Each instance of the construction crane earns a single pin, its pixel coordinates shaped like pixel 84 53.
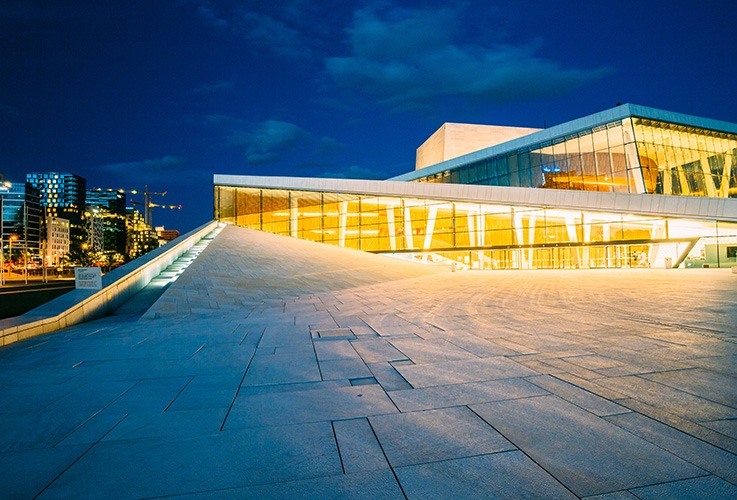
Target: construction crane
pixel 149 205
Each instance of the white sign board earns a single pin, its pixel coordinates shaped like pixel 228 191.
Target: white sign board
pixel 89 278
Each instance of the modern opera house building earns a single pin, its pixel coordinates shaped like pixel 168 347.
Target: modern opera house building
pixel 628 187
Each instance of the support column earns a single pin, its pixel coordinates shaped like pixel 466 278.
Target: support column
pixel 586 226
pixel 572 235
pixel 518 255
pixel 343 222
pixel 530 240
pixel 730 163
pixel 480 236
pixel 656 232
pixel 471 222
pixel 606 235
pixel 293 216
pixel 685 186
pixel 711 189
pixel 431 215
pixel 408 239
pixel 391 227
pixel 634 162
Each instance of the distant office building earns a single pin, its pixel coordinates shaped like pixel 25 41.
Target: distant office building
pixel 57 234
pixel 21 217
pixel 166 235
pixel 63 195
pixel 95 230
pixel 627 187
pixel 108 207
pixel 141 238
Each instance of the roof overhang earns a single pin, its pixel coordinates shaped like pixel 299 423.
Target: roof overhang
pixel 572 127
pixel 688 207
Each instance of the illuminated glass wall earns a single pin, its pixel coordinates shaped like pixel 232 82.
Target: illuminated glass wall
pixel 486 236
pixel 632 155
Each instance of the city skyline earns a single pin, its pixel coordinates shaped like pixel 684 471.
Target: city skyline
pixel 169 93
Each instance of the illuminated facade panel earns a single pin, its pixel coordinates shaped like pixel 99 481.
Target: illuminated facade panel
pixel 480 234
pixel 627 187
pixel 630 149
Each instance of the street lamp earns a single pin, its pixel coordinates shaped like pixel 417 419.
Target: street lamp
pixel 4 188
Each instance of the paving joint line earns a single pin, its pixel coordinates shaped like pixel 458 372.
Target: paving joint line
pixel 523 452
pixel 238 390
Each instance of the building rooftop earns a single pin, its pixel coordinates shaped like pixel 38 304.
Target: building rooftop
pixel 574 126
pixel 283 368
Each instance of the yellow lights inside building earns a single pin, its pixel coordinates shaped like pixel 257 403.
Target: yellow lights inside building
pixel 480 235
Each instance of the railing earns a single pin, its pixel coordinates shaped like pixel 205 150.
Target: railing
pixel 78 306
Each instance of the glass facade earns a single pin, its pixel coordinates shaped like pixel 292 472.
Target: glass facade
pixel 21 216
pixel 478 235
pixel 63 195
pixel 630 155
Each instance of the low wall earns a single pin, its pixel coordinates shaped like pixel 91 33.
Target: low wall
pixel 78 306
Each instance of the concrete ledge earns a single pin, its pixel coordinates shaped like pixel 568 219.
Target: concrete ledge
pixel 78 306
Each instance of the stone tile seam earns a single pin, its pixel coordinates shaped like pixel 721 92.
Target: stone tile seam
pixel 391 467
pixel 583 389
pixel 179 393
pixel 672 426
pixel 337 446
pixel 639 376
pixel 654 443
pixel 80 456
pixel 238 389
pixel 523 452
pixel 94 414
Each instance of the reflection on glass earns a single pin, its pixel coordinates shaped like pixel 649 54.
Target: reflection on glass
pixel 484 236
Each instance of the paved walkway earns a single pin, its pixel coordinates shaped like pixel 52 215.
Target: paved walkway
pixel 275 367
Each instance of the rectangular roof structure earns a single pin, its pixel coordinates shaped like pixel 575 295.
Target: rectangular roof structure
pixel 571 127
pixel 701 208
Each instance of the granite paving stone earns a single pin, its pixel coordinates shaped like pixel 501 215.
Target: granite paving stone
pixel 376 350
pixel 388 376
pixel 430 351
pixel 458 372
pixel 709 487
pixel 700 453
pixel 323 404
pixel 167 466
pixel 579 397
pixel 344 368
pixel 675 401
pixel 463 394
pixel 377 484
pixel 433 435
pixel 535 384
pixel 584 452
pixel 360 451
pixel 708 384
pixel 500 475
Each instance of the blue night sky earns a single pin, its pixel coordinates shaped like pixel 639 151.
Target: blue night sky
pixel 168 92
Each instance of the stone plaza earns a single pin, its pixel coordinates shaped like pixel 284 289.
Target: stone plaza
pixel 280 368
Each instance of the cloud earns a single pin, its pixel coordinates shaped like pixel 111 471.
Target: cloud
pixel 410 58
pixel 212 87
pixel 327 145
pixel 165 169
pixel 265 32
pixel 271 140
pixel 266 142
pixel 280 33
pixel 208 15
